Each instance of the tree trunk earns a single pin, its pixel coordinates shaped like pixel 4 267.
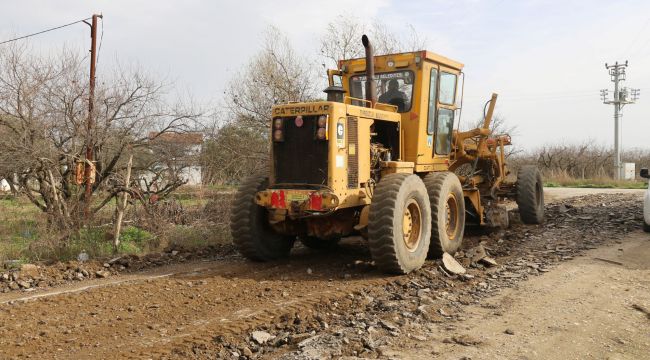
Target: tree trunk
pixel 121 205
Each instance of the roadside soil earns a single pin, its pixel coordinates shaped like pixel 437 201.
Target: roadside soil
pixel 334 304
pixel 555 194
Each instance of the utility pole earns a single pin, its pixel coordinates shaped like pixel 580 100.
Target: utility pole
pixel 89 165
pixel 621 98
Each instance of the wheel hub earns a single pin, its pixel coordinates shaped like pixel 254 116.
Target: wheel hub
pixel 451 211
pixel 412 225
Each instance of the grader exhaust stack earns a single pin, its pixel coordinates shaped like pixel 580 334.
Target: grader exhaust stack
pixel 371 86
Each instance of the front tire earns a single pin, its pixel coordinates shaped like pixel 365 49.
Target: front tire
pixel 399 224
pixel 447 213
pixel 530 195
pixel 646 226
pixel 249 226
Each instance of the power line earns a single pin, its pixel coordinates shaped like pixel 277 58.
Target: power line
pixel 44 31
pixel 637 37
pixel 621 98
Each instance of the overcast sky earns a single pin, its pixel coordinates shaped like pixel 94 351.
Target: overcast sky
pixel 545 58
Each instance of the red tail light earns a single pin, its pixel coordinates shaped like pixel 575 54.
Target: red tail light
pixel 277 200
pixel 315 201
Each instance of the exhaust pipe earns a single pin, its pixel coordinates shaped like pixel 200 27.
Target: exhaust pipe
pixel 371 86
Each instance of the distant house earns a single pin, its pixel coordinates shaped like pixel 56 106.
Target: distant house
pixel 4 186
pixel 180 156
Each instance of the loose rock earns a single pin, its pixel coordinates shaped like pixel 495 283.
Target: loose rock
pixel 261 337
pixel 29 270
pixel 102 274
pixel 452 265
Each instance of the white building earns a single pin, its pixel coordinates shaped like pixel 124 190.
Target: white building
pixel 4 186
pixel 183 150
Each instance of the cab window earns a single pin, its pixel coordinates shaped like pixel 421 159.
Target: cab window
pixel 394 88
pixel 447 88
pixel 433 92
pixel 445 125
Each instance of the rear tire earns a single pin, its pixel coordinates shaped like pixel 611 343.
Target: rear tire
pixel 447 213
pixel 530 195
pixel 249 226
pixel 399 224
pixel 646 226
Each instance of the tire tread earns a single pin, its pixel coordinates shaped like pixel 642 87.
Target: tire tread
pixel 380 228
pixel 529 211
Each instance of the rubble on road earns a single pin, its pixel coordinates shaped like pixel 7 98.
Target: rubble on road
pixel 365 322
pixel 261 337
pixel 451 265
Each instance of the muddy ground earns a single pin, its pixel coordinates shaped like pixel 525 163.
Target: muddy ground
pixel 574 287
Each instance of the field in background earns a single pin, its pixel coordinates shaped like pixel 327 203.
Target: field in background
pixel 192 217
pixel 603 182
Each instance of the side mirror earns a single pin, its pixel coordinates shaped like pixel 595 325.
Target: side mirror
pixel 644 173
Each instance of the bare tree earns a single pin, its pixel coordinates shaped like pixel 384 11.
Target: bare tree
pixel 276 75
pixel 586 160
pixel 234 152
pixel 43 113
pixel 342 39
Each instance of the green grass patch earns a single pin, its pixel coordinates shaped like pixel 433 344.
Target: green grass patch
pixel 98 243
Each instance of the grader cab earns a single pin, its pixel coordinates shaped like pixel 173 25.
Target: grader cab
pixel 381 159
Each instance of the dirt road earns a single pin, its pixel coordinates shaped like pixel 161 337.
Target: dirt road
pixel 319 305
pixel 588 308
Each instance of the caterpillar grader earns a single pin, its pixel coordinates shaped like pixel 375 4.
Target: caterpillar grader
pixel 381 159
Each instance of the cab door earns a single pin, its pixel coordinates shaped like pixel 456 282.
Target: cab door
pixel 432 104
pixel 444 116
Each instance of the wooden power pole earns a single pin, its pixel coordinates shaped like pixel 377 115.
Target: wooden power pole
pixel 90 144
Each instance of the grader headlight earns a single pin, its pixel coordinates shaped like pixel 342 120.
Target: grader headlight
pixel 321 132
pixel 278 135
pixel 278 130
pixel 322 121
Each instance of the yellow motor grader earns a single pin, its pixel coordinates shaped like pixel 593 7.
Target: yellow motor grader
pixel 381 159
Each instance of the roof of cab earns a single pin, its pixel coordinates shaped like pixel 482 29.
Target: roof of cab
pixel 443 60
pixel 428 55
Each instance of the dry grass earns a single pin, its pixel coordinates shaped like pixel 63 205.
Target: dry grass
pixel 190 219
pixel 562 179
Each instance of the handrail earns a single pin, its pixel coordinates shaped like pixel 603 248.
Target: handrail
pixel 355 99
pixel 395 108
pixel 349 99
